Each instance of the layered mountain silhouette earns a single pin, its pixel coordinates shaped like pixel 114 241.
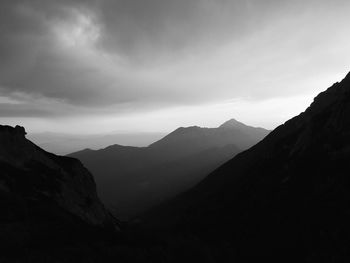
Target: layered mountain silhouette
pixel 132 179
pixel 44 197
pixel 286 199
pixel 65 143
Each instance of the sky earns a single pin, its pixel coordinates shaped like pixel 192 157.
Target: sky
pixel 102 66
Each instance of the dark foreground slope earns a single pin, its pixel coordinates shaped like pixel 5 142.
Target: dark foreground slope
pixel 132 179
pixel 45 200
pixel 50 212
pixel 286 199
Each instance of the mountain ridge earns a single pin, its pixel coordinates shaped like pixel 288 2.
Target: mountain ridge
pixel 152 171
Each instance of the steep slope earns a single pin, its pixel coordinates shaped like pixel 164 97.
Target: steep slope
pixel 44 196
pixel 132 179
pixel 286 198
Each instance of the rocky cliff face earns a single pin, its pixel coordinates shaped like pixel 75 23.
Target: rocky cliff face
pixel 40 191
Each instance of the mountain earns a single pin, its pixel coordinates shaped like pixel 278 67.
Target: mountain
pixel 246 130
pixel 45 198
pixel 65 143
pixel 132 179
pixel 286 199
pixel 194 139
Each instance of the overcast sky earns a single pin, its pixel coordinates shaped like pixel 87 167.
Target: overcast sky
pixel 98 66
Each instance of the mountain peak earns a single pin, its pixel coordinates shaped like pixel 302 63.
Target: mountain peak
pixel 232 123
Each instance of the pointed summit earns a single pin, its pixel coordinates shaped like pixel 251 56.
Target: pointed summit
pixel 232 123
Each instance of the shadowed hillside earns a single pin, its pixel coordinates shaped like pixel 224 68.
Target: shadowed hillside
pixel 45 199
pixel 285 199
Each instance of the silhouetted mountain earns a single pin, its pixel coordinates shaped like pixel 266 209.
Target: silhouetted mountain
pixel 246 130
pixel 285 199
pixel 65 143
pixel 44 198
pixel 131 179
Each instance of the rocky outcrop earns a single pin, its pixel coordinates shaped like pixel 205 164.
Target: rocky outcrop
pixel 38 188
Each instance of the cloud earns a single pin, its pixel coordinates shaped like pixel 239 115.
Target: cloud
pixel 71 57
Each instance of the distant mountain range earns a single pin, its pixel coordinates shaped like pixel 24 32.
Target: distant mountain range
pixel 286 199
pixel 65 143
pixel 132 179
